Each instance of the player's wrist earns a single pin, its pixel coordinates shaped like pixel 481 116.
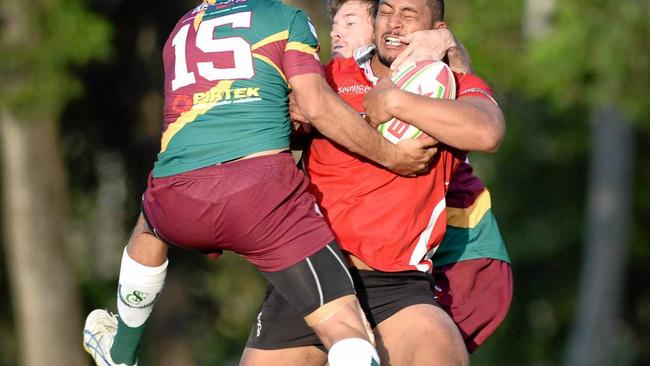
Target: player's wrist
pixel 393 101
pixel 392 155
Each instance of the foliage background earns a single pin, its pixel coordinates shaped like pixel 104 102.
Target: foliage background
pixel 97 71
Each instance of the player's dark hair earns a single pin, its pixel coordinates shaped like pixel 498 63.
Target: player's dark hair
pixel 437 9
pixel 334 5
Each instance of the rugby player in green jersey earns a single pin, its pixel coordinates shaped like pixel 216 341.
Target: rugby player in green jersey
pixel 472 263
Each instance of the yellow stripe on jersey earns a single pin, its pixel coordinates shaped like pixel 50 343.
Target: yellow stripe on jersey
pixel 197 20
pixel 268 61
pixel 199 17
pixel 301 47
pixel 192 114
pixel 469 217
pixel 280 36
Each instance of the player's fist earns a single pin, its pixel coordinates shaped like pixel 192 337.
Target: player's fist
pixel 377 102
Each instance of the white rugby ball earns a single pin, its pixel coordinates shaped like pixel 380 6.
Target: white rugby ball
pixel 433 79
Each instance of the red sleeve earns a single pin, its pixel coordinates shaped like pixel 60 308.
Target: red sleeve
pixel 299 62
pixel 301 50
pixel 471 85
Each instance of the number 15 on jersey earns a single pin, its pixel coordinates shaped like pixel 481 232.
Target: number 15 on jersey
pixel 205 49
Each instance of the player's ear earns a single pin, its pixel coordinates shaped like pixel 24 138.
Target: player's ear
pixel 440 25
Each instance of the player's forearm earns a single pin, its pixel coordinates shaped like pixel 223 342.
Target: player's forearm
pixel 459 59
pixel 343 125
pixel 471 123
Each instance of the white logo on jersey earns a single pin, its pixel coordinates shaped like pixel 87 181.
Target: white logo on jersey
pixel 200 8
pixel 354 89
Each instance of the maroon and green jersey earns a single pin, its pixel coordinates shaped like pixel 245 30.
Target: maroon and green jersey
pixel 227 66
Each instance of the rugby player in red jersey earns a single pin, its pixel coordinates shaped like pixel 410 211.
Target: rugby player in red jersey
pixel 486 260
pixel 471 267
pixel 224 179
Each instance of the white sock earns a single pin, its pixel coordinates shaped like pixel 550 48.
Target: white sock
pixel 138 289
pixel 352 352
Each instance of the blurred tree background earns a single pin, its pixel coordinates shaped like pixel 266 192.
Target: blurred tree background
pixel 80 119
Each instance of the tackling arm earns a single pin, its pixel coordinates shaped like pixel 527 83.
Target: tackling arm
pixel 469 123
pixel 339 122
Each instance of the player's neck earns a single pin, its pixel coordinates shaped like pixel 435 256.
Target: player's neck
pixel 379 69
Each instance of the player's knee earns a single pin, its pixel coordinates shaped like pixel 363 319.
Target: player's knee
pixel 340 319
pixel 145 247
pixel 352 352
pixel 329 310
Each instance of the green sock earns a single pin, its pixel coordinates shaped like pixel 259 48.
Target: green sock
pixel 126 343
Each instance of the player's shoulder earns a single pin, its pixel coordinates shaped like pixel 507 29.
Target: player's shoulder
pixel 472 85
pixel 463 79
pixel 199 10
pixel 273 10
pixel 286 12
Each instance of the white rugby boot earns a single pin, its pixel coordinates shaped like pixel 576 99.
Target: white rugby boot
pixel 99 331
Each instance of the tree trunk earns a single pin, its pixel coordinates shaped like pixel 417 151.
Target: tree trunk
pixel 605 250
pixel 44 296
pixel 537 18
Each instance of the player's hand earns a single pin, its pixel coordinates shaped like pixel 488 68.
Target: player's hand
pixel 415 156
pixel 377 103
pixel 299 123
pixel 434 44
pixel 423 45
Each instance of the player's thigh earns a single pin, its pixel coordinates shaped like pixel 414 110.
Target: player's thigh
pixel 420 334
pixel 278 327
pixel 296 356
pixel 314 281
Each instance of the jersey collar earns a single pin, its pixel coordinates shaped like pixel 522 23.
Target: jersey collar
pixel 362 56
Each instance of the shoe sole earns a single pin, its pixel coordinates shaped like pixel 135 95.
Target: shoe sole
pixel 91 345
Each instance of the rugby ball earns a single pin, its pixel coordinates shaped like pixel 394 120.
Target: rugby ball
pixel 433 79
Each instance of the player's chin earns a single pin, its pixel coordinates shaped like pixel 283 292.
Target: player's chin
pixel 387 56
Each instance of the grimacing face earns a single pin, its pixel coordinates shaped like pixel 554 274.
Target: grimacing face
pixel 351 28
pixel 397 18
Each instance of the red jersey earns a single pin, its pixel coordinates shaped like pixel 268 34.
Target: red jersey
pixel 390 222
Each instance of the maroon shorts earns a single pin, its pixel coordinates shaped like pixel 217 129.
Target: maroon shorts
pixel 257 207
pixel 477 294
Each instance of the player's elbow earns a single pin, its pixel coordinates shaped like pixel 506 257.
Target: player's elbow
pixel 313 109
pixel 494 133
pixel 311 96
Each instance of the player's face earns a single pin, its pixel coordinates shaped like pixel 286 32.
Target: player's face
pixel 351 28
pixel 398 18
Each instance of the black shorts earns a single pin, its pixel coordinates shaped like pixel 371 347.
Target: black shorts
pixel 314 281
pixel 381 294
